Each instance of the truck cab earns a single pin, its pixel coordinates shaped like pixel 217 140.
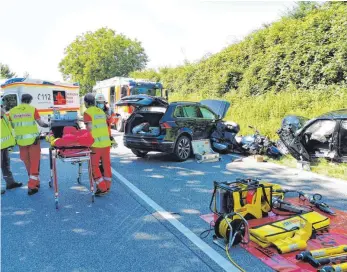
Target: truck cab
pixel 116 88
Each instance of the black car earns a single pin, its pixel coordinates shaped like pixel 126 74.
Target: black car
pixel 321 137
pixel 156 125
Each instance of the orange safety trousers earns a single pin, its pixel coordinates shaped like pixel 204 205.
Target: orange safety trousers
pixel 103 154
pixel 30 155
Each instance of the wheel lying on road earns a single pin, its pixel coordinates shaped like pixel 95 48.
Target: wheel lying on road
pixel 139 153
pixel 183 148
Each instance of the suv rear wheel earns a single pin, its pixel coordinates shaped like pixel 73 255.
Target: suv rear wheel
pixel 139 153
pixel 183 148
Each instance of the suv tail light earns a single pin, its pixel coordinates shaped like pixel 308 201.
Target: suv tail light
pixel 165 125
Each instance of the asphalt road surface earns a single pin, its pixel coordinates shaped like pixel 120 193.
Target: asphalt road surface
pixel 149 222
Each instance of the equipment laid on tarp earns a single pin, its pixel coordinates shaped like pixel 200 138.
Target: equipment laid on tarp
pixel 324 256
pixel 293 231
pixel 249 197
pixel 237 205
pixel 203 151
pixel 335 268
pixel 69 144
pixel 315 200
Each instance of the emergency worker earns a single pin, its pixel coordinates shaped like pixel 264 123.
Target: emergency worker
pixel 101 103
pixel 7 141
pixel 96 122
pixel 24 118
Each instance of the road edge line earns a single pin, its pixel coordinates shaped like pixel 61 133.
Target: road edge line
pixel 204 247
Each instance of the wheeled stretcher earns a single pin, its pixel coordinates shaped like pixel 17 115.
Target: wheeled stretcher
pixel 73 153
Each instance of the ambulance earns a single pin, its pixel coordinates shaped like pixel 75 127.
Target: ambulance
pixel 46 96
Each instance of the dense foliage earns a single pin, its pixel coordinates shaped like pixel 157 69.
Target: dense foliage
pixel 295 65
pixel 100 55
pixel 5 71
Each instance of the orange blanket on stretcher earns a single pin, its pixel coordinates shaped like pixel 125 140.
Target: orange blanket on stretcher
pixel 72 138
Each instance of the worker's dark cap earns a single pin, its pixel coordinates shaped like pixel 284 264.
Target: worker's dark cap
pixel 27 98
pixel 89 98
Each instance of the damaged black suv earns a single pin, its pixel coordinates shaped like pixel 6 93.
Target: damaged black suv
pixel 321 137
pixel 156 125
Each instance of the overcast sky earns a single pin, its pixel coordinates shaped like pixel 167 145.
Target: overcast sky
pixel 34 33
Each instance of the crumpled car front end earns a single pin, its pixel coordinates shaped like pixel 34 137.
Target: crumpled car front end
pixel 290 128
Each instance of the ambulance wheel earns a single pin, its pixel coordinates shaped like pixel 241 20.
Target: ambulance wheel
pixel 139 153
pixel 120 125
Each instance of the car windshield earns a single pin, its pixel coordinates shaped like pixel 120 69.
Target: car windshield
pixel 144 90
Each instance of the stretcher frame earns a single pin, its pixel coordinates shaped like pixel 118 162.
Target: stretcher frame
pixel 80 158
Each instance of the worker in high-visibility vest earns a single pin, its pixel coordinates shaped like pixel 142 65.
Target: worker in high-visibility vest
pixel 7 141
pixel 24 118
pixel 100 102
pixel 96 122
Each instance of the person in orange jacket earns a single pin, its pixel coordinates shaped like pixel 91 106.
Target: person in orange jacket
pixel 24 119
pixel 96 122
pixel 100 102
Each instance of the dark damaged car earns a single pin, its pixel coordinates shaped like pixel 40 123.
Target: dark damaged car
pixel 156 125
pixel 321 137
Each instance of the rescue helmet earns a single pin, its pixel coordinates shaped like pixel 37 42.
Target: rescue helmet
pixel 100 98
pixel 89 99
pixel 26 98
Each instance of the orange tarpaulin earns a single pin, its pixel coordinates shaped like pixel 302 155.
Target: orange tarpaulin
pixel 337 235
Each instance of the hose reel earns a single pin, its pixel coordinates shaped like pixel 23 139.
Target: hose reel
pixel 233 228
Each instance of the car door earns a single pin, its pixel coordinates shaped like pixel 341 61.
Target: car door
pixel 208 121
pixel 293 142
pixel 187 120
pixel 343 139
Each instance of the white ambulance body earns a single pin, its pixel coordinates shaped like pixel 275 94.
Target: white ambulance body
pixel 46 95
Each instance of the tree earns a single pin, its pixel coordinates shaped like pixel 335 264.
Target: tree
pixel 302 9
pixel 26 74
pixel 5 71
pixel 95 56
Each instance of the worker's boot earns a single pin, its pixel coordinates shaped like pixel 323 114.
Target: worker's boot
pixel 13 185
pixel 108 183
pixel 33 186
pixel 101 188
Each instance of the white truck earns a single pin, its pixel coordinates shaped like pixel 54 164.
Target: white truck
pixel 46 95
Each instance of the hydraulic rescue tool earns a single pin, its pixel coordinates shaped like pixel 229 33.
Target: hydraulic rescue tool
pixel 324 256
pixel 279 204
pixel 315 199
pixel 334 268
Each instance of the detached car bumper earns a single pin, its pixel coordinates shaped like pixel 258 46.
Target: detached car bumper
pixel 148 144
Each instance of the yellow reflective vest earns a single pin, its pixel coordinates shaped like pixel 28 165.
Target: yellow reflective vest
pixel 24 124
pixel 6 136
pixel 99 127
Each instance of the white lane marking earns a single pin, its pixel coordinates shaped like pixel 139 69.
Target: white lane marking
pixel 214 255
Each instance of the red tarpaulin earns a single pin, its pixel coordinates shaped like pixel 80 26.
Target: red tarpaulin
pixel 337 235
